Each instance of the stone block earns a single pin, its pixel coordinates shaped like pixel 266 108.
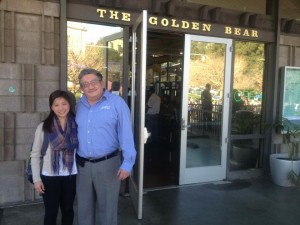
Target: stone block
pixel 10 87
pixel 10 104
pixel 51 9
pixel 9 152
pixel 1 153
pixel 22 6
pixel 49 56
pixel 28 104
pixel 1 136
pixel 28 23
pixel 56 42
pixel 44 89
pixel 11 181
pixel 56 26
pixel 2 120
pixel 28 55
pixel 9 120
pixel 8 20
pixel 28 88
pixel 47 73
pixel 23 151
pixel 42 104
pixel 8 37
pixel 10 71
pixel 28 72
pixel 49 40
pixel 24 135
pixel 29 191
pixel 44 114
pixel 48 24
pixel 9 136
pixel 57 57
pixel 27 120
pixel 9 54
pixel 28 39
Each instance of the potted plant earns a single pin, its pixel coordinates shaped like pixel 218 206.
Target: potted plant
pixel 244 153
pixel 285 167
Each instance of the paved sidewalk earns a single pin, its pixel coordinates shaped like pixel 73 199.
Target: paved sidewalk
pixel 241 202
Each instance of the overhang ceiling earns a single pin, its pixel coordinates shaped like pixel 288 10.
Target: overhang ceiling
pixel 290 9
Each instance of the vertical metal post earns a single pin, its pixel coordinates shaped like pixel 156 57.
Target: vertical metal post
pixel 63 45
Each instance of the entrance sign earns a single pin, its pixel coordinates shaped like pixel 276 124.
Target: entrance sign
pixel 180 25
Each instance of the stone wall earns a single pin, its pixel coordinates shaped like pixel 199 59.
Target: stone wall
pixel 29 72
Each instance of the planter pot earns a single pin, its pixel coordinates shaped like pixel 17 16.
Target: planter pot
pixel 280 167
pixel 245 156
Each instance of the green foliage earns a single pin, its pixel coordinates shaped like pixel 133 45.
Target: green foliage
pixel 289 132
pixel 194 96
pixel 254 53
pixel 91 57
pixel 237 102
pixel 114 55
pixel 294 178
pixel 199 49
pixel 244 122
pixel 252 49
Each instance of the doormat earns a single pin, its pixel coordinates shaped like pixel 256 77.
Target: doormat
pixel 229 186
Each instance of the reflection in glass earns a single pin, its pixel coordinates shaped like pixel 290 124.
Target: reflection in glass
pixel 206 80
pixel 87 48
pixel 246 105
pixel 115 65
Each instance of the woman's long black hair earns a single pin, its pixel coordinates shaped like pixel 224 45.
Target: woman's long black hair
pixel 48 122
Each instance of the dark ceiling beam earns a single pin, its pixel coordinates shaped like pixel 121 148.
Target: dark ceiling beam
pixel 215 14
pixel 245 19
pixel 205 13
pixel 157 5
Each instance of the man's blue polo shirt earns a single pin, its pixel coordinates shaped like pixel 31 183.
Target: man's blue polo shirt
pixel 104 127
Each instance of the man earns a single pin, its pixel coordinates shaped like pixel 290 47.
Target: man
pixel 207 106
pixel 103 126
pixel 152 115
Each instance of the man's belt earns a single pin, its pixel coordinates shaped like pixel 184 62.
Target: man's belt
pixel 113 154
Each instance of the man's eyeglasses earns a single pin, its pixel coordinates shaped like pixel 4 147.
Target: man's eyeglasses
pixel 87 84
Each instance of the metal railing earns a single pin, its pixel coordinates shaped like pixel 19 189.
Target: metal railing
pixel 198 121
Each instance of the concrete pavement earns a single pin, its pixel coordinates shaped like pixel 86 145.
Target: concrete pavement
pixel 239 202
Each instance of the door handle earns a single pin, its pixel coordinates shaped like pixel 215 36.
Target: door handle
pixel 146 135
pixel 183 124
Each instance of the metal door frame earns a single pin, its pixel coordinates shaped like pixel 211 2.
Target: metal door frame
pixel 136 189
pixel 211 173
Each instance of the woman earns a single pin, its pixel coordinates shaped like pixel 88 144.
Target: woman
pixel 56 180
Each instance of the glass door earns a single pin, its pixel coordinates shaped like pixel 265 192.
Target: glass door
pixel 205 109
pixel 138 95
pixel 113 59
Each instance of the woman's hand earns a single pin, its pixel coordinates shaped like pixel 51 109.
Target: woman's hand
pixel 39 187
